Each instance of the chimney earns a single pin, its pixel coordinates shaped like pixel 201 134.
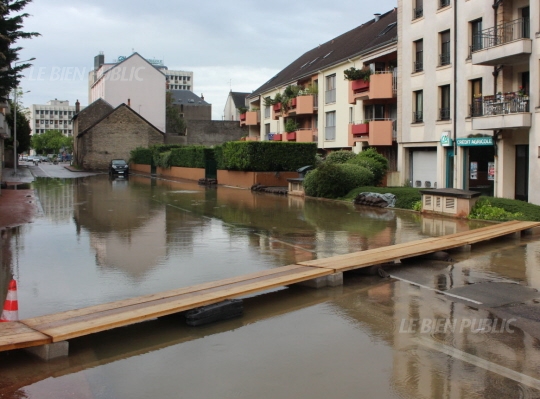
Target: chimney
pixel 202 97
pixel 377 16
pixel 129 102
pixel 77 106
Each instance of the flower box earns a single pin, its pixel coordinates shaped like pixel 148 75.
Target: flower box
pixel 360 85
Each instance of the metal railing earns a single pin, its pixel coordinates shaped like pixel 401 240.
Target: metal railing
pixel 444 3
pixel 418 12
pixel 418 66
pixel 502 34
pixel 444 114
pixel 444 59
pixel 499 105
pixel 418 116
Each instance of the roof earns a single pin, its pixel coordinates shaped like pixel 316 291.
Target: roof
pixel 186 97
pixel 124 60
pixel 368 36
pixel 90 107
pixel 123 105
pixel 239 98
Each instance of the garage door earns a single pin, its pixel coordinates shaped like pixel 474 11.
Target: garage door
pixel 424 169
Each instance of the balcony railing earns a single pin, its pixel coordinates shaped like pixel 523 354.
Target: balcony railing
pixel 418 66
pixel 501 34
pixel 418 12
pixel 444 114
pixel 418 117
pixel 444 59
pixel 509 103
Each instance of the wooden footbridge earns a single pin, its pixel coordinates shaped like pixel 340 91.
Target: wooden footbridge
pixel 76 323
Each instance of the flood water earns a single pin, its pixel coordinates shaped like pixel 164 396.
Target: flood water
pixel 98 240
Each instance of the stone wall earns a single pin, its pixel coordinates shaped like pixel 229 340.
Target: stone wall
pixel 115 137
pixel 208 133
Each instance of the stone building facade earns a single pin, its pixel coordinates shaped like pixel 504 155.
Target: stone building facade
pixel 113 136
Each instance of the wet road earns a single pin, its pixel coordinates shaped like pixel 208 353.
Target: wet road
pixel 99 240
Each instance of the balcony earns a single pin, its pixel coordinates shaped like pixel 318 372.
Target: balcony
pixel 508 111
pixel 250 118
pixel 375 133
pixel 277 137
pixel 380 86
pixel 302 105
pixel 507 44
pixel 276 111
pixel 302 136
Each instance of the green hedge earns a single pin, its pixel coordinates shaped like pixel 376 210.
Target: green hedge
pixel 340 156
pixel 141 156
pixel 336 180
pixel 188 157
pixel 265 156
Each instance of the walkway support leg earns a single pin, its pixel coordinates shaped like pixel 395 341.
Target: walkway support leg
pixel 50 351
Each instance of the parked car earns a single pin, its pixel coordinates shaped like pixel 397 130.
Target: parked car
pixel 118 167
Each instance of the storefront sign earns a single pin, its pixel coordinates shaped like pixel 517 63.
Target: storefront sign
pixel 446 141
pixel 474 141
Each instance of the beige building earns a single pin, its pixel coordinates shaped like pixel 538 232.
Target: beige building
pixel 467 111
pixel 334 112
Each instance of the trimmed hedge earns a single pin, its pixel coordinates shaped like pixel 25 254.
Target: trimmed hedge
pixel 265 156
pixel 141 156
pixel 189 156
pixel 340 156
pixel 335 180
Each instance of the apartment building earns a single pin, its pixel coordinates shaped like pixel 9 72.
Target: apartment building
pixel 55 115
pixel 468 95
pixel 328 109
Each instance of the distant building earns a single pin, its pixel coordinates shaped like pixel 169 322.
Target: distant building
pixel 56 114
pixel 133 81
pixel 104 133
pixel 234 101
pixel 191 106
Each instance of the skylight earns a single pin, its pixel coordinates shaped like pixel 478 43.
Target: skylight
pixel 385 30
pixel 328 54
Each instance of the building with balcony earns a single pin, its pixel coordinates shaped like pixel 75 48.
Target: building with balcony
pixel 322 106
pixel 55 115
pixel 477 66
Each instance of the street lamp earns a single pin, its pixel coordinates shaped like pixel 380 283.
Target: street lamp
pixel 15 123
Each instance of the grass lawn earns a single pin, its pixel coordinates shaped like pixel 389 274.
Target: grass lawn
pixel 406 197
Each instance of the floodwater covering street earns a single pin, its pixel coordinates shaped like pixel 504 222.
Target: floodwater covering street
pixel 452 334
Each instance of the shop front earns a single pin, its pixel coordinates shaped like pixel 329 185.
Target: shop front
pixel 479 164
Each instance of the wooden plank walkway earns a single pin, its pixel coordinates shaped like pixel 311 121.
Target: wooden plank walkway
pixel 75 323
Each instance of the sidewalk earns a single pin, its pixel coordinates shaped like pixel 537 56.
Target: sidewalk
pixel 17 206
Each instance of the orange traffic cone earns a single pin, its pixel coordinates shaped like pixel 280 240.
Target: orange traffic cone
pixel 11 306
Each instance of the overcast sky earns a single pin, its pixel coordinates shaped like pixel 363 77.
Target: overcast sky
pixel 236 44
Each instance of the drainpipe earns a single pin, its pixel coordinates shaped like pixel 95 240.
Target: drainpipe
pixel 496 69
pixel 455 97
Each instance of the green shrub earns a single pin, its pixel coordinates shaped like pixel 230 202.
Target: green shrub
pixel 417 206
pixel 373 161
pixel 141 156
pixel 340 156
pixel 266 156
pixel 218 156
pixel 335 180
pixel 485 211
pixel 188 156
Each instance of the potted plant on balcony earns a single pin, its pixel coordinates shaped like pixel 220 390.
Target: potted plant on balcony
pixel 291 125
pixel 357 74
pixel 242 110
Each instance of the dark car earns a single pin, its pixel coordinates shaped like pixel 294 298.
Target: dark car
pixel 118 167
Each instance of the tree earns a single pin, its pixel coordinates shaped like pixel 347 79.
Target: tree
pixel 23 128
pixel 51 142
pixel 175 123
pixel 10 33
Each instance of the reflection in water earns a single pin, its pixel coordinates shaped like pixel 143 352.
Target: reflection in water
pixel 102 240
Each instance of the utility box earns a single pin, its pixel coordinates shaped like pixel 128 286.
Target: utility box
pixel 449 201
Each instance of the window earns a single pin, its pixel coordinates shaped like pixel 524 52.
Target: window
pixel 351 115
pixel 444 112
pixel 444 57
pixel 374 112
pixel 330 129
pixel 476 97
pixel 267 130
pixel 419 56
pixel 444 3
pixel 476 35
pixel 418 113
pixel 418 11
pixel 267 109
pixel 330 95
